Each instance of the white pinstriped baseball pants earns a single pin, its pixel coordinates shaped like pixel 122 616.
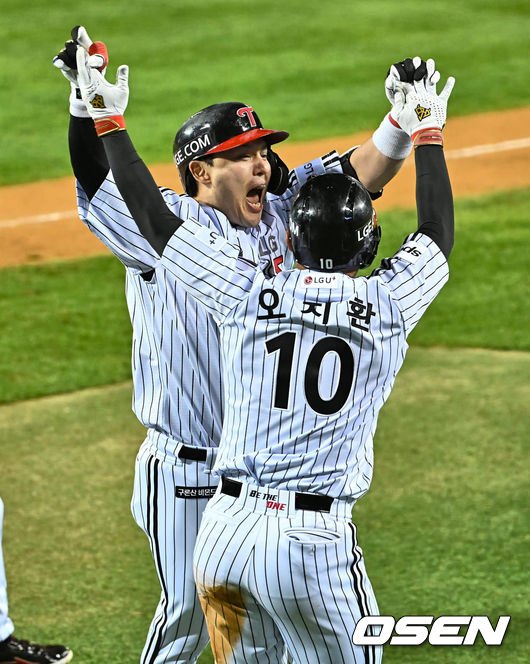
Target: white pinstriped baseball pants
pixel 267 572
pixel 178 633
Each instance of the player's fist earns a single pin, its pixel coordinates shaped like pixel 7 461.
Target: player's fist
pixel 102 99
pixel 408 71
pixel 418 107
pixel 66 62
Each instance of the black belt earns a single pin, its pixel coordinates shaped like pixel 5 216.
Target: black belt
pixel 302 501
pixel 192 453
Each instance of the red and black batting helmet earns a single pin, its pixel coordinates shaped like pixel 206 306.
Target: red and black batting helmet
pixel 221 127
pixel 333 225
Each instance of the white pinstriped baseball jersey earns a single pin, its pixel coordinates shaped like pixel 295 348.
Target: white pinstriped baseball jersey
pixel 175 354
pixel 309 357
pixel 178 394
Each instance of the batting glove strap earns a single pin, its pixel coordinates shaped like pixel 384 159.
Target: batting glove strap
pixel 109 125
pixel 428 137
pixel 391 140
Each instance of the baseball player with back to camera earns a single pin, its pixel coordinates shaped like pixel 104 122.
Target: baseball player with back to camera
pixel 176 356
pixel 309 358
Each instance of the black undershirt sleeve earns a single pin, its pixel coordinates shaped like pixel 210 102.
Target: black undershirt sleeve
pixel 87 155
pixel 154 219
pixel 434 198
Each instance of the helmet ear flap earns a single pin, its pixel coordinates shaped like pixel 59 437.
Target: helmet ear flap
pixel 368 253
pixel 279 174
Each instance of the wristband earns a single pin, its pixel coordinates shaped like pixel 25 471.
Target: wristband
pixel 391 140
pixel 109 125
pixel 431 136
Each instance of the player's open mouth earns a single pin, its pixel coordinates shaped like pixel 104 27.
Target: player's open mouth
pixel 255 197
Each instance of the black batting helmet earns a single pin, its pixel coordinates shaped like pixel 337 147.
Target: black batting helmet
pixel 221 127
pixel 333 224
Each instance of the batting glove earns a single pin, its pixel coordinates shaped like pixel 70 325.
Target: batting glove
pixel 389 138
pixel 104 101
pixel 65 61
pixel 420 111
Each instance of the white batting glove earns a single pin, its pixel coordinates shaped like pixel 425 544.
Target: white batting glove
pixel 104 101
pixel 389 138
pixel 65 61
pixel 420 111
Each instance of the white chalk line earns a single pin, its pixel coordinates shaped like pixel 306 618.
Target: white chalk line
pixel 489 148
pixel 38 219
pixel 463 153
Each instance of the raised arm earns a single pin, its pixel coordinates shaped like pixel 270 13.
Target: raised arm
pixel 378 160
pixel 421 112
pixel 106 104
pixel 155 220
pixel 87 155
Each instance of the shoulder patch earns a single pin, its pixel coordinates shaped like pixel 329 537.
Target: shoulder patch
pixel 210 238
pixel 411 251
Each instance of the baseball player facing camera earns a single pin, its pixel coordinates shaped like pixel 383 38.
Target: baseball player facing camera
pixel 309 358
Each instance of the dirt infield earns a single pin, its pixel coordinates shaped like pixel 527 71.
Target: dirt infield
pixel 487 152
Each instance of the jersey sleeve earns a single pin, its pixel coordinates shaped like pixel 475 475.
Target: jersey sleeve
pixel 413 276
pixel 211 269
pixel 108 218
pixel 329 163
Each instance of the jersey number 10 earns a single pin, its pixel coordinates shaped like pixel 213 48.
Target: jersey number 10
pixel 284 344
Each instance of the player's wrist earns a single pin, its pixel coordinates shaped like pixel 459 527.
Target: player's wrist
pixel 109 125
pixel 429 136
pixel 77 106
pixel 391 140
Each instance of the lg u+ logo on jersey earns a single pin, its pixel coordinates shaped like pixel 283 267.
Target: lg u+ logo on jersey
pixel 321 280
pixel 442 631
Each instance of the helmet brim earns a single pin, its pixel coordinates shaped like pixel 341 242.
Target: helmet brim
pixel 270 136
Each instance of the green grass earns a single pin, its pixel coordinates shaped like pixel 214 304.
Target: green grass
pixel 67 325
pixel 485 300
pixel 443 527
pixel 445 523
pixel 313 68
